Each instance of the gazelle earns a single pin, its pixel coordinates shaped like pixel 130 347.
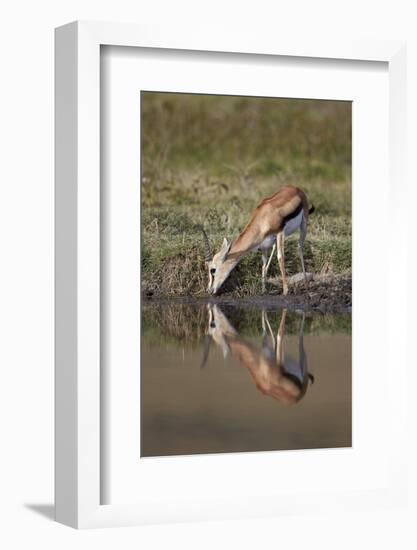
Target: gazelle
pixel 274 373
pixel 273 219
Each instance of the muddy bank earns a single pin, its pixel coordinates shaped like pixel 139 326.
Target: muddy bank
pixel 323 293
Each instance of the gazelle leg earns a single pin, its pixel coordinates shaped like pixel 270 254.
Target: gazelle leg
pixel 264 267
pixel 268 347
pixel 268 340
pixel 269 327
pixel 303 232
pixel 301 330
pixel 301 352
pixel 280 256
pixel 270 258
pixel 280 340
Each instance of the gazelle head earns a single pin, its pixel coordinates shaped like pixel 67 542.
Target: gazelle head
pixel 219 330
pixel 219 265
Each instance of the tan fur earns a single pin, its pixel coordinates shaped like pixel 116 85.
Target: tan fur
pixel 267 219
pixel 266 372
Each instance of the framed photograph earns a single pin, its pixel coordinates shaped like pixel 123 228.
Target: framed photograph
pixel 222 208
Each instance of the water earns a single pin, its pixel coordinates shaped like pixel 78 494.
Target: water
pixel 230 379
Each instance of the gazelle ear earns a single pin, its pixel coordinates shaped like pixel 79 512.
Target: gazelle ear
pixel 225 249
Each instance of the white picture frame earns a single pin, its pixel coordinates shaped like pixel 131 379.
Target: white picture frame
pixel 78 262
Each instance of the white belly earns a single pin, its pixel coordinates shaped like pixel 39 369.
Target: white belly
pixel 294 224
pixel 268 242
pixel 289 228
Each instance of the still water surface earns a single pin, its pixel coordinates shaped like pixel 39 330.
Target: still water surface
pixel 229 379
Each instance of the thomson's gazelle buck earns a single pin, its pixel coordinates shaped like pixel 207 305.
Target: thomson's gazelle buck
pixel 272 220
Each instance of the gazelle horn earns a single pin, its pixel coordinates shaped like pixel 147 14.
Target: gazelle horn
pixel 208 255
pixel 207 341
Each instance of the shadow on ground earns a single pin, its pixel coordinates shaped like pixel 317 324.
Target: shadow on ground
pixel 45 510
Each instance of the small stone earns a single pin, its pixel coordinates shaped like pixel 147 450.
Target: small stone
pixel 299 278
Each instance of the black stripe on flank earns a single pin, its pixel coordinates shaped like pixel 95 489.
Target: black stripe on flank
pixel 294 378
pixel 293 214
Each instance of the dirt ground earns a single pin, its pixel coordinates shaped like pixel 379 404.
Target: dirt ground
pixel 322 293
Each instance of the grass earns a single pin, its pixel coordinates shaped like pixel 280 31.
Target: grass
pixel 210 159
pixel 176 324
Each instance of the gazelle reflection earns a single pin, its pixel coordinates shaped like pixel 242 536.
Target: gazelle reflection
pixel 274 373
